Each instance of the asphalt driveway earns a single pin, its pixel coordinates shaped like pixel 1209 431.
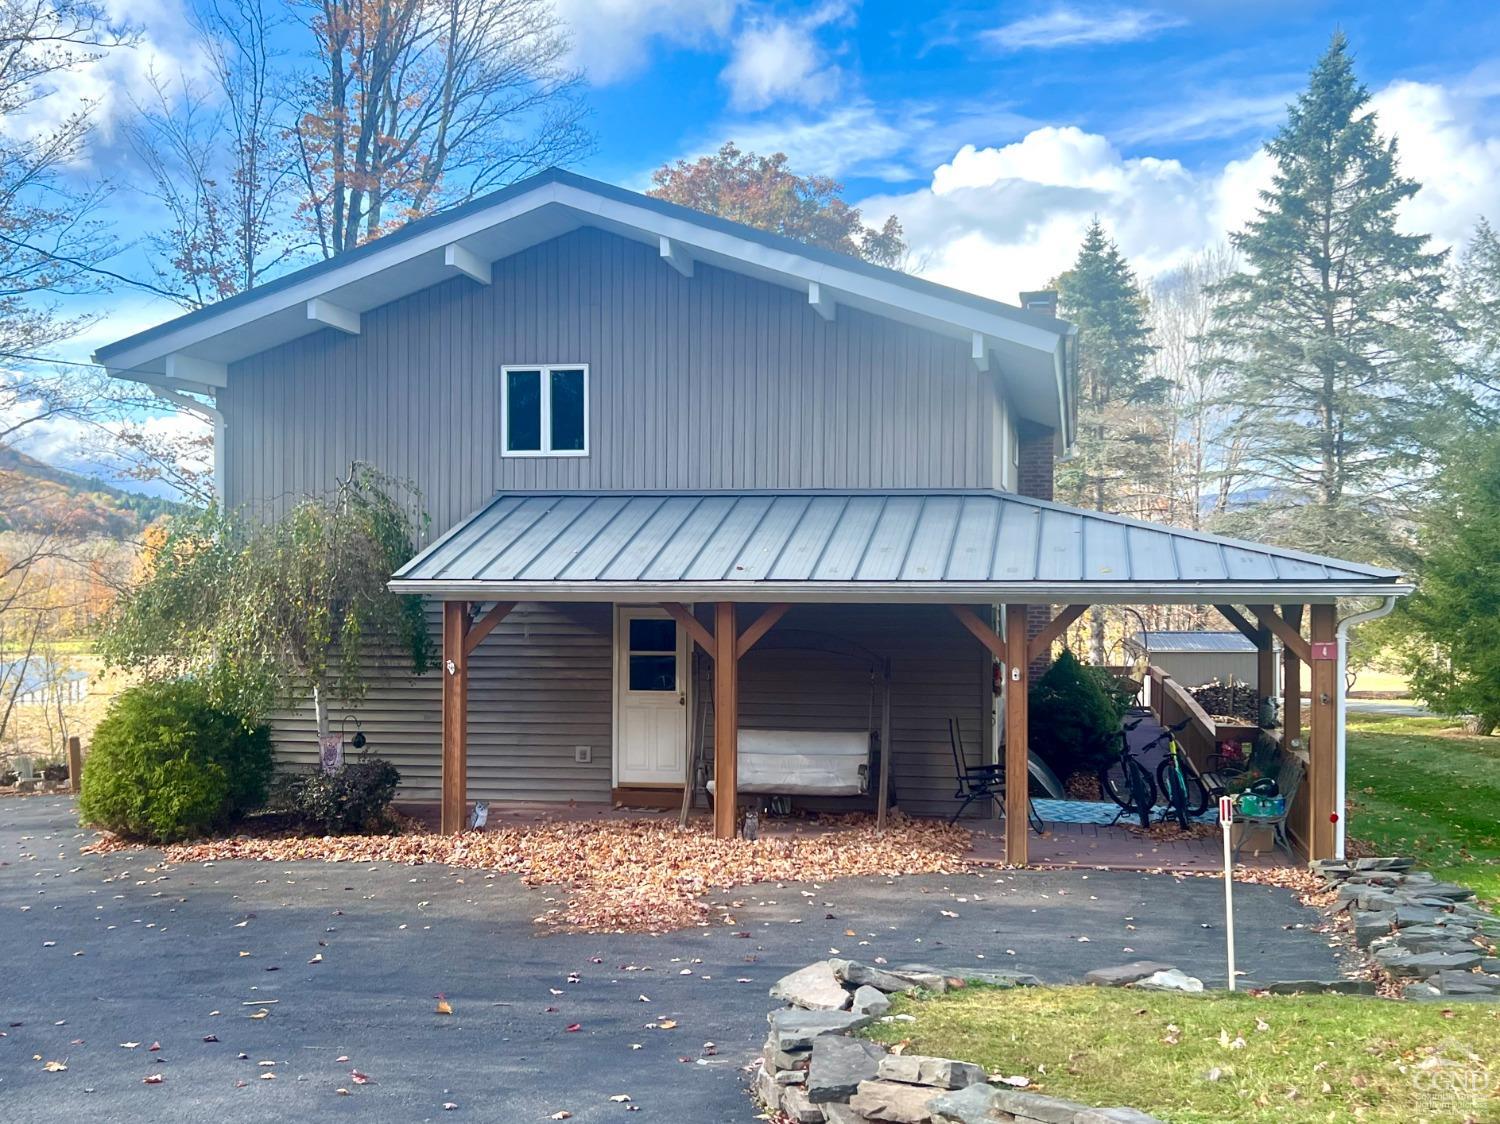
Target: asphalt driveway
pixel 100 951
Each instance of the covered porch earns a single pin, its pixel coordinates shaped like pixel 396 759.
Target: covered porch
pixel 1009 574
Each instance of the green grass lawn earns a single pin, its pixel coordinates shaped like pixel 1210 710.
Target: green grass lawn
pixel 1419 786
pixel 1204 1059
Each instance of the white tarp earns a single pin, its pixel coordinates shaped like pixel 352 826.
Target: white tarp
pixel 803 762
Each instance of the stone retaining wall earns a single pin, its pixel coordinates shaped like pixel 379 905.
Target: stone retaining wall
pixel 813 1070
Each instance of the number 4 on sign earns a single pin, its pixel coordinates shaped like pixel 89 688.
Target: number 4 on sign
pixel 1226 821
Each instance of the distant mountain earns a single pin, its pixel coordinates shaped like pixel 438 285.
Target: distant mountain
pixel 40 497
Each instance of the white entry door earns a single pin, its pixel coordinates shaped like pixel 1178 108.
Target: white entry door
pixel 651 689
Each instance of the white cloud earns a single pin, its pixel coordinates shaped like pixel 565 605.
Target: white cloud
pixel 612 39
pixel 999 219
pixel 1065 26
pixel 782 60
pixel 166 46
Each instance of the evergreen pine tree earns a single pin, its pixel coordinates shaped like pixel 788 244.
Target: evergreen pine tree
pixel 1333 332
pixel 1121 446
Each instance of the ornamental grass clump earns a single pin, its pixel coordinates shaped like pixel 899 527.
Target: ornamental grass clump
pixel 167 765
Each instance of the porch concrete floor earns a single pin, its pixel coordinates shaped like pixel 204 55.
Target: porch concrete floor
pixel 104 950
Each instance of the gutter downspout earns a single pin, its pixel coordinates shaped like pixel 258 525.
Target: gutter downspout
pixel 209 413
pixel 1340 743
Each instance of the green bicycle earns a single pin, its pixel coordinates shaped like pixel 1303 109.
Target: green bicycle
pixel 1186 794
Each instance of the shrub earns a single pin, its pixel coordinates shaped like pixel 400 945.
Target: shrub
pixel 166 765
pixel 1074 725
pixel 356 798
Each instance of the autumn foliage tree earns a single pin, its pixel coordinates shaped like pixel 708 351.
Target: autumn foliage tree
pixel 415 104
pixel 761 191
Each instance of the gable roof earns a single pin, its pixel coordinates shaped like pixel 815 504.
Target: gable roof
pixel 1188 641
pixel 853 545
pixel 1033 351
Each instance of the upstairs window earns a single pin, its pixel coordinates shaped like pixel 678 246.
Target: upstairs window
pixel 544 411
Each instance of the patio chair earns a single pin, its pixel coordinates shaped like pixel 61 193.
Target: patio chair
pixel 982 782
pixel 1288 781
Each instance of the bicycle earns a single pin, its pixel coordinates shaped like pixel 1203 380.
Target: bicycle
pixel 1186 795
pixel 1126 780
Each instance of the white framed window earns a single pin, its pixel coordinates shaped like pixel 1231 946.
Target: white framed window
pixel 544 410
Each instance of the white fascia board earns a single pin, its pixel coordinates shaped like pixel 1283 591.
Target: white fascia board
pixel 980 352
pixel 684 235
pixel 466 262
pixel 1025 593
pixel 676 255
pixel 821 300
pixel 155 380
pixel 188 368
pixel 333 316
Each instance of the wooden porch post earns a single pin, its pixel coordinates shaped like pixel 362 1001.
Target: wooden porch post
pixel 1322 754
pixel 1017 775
pixel 726 720
pixel 1265 668
pixel 455 715
pixel 1291 683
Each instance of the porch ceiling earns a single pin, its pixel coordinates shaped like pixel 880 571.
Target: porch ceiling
pixel 853 546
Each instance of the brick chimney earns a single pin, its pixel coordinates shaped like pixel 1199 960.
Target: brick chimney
pixel 1040 300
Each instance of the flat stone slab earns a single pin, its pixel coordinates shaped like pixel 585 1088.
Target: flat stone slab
pixel 814 988
pixel 859 974
pixel 1455 983
pixel 869 1000
pixel 1390 862
pixel 1420 965
pixel 1368 925
pixel 796 1104
pixel 1124 974
pixel 1313 987
pixel 1169 980
pixel 1407 915
pixel 795 1029
pixel 941 1073
pixel 839 1064
pixel 892 1101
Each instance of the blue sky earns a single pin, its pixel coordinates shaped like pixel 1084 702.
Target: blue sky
pixel 994 131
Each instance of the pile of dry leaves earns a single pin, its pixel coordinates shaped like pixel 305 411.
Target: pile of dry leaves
pixel 627 875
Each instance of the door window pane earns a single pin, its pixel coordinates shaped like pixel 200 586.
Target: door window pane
pixel 568 411
pixel 653 673
pixel 523 411
pixel 653 635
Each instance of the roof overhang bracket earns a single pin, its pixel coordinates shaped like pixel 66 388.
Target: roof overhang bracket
pixel 466 262
pixel 980 352
pixel 191 369
pixel 821 300
pixel 675 254
pixel 333 316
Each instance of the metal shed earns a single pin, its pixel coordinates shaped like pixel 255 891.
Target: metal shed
pixel 1195 658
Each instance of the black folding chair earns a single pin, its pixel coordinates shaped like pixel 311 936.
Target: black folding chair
pixel 982 782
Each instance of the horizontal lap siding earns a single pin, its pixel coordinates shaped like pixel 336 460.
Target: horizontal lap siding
pixel 937 670
pixel 539 685
pixel 712 381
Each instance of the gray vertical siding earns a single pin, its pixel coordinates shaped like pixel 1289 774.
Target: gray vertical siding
pixel 713 381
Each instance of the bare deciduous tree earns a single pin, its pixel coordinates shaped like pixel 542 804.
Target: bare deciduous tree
pixel 414 104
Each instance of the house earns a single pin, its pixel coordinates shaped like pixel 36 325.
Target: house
pixel 649 440
pixel 1199 656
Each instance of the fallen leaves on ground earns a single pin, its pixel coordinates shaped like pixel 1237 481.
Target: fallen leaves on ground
pixel 628 875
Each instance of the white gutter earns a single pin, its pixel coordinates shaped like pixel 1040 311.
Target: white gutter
pixel 1340 716
pixel 209 413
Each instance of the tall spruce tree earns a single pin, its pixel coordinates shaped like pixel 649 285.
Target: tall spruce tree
pixel 1121 452
pixel 1333 332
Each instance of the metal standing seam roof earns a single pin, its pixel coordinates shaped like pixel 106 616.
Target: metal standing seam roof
pixel 1194 642
pixel 850 545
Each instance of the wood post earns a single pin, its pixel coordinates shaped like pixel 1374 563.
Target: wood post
pixel 455 716
pixel 1017 775
pixel 1291 684
pixel 1322 751
pixel 75 765
pixel 726 720
pixel 884 795
pixel 1265 668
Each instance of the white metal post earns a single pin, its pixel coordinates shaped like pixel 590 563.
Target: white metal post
pixel 1226 821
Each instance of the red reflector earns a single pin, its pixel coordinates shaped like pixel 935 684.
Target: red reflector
pixel 1333 817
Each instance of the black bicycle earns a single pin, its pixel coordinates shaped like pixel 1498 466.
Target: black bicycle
pixel 1127 782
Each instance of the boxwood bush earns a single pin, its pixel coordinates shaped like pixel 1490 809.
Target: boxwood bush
pixel 167 765
pixel 1074 723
